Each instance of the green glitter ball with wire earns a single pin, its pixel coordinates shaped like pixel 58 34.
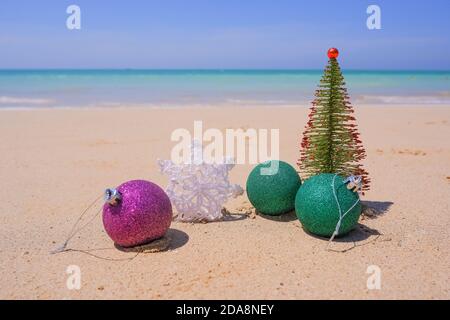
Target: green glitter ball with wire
pixel 317 208
pixel 272 186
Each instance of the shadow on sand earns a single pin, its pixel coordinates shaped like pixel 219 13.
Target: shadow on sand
pixel 358 237
pixel 361 234
pixel 285 217
pixel 358 234
pixel 172 240
pixel 375 209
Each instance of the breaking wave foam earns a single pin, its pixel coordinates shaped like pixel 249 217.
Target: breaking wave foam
pixel 24 101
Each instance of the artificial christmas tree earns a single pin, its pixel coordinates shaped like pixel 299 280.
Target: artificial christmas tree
pixel 331 141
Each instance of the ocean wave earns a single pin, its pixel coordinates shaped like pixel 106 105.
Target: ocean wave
pixel 435 99
pixel 24 101
pixel 249 101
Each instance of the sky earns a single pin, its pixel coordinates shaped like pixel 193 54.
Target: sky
pixel 224 34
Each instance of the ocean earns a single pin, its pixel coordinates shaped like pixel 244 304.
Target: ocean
pixel 171 88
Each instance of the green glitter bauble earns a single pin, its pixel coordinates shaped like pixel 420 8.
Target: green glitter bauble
pixel 317 209
pixel 273 193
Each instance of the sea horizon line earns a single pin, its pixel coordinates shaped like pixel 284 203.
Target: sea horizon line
pixel 223 69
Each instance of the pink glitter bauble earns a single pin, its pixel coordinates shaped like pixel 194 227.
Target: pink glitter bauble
pixel 140 212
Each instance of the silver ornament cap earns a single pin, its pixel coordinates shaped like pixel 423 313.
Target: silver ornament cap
pixel 112 196
pixel 354 183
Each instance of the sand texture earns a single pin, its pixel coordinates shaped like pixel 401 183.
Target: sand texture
pixel 55 162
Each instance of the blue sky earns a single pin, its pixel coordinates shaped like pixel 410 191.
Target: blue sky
pixel 291 34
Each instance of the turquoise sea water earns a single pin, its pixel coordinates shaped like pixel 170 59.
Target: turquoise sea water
pixel 86 88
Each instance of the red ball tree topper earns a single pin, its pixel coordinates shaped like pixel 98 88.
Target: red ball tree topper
pixel 333 53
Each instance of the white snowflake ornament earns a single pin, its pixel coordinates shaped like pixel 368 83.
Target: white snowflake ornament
pixel 197 189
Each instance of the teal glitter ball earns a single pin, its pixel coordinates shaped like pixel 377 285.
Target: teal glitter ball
pixel 317 209
pixel 272 189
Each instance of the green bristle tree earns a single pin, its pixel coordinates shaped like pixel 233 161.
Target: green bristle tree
pixel 331 141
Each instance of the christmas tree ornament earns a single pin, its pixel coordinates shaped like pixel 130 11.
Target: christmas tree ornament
pixel 331 142
pixel 136 213
pixel 328 205
pixel 273 194
pixel 199 189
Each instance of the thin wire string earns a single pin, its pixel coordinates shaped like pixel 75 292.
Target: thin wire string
pixel 341 216
pixel 75 230
pixel 88 252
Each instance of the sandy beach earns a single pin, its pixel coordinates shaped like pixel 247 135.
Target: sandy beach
pixel 55 162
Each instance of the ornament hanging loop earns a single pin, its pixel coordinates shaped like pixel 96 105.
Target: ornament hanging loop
pixel 112 197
